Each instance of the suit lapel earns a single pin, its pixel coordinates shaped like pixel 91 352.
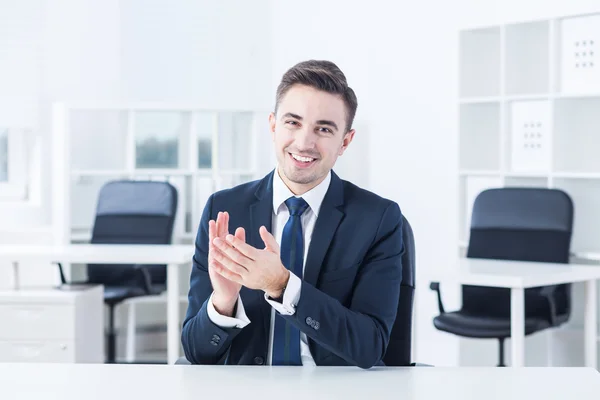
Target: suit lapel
pixel 261 213
pixel 330 216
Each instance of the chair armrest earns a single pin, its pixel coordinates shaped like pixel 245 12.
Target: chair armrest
pixel 63 280
pixel 435 286
pixel 548 293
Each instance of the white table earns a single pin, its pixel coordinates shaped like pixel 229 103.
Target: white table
pixel 518 276
pixel 174 256
pixel 162 382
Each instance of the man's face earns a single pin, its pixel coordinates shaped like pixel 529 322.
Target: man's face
pixel 309 133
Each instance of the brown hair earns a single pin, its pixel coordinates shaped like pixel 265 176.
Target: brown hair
pixel 322 75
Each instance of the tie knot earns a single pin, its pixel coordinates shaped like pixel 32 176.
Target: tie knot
pixel 296 205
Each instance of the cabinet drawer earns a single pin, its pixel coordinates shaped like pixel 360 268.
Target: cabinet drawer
pixel 34 351
pixel 30 321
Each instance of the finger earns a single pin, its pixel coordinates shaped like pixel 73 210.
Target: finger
pixel 231 252
pixel 226 225
pixel 228 262
pixel 219 223
pixel 226 273
pixel 269 240
pixel 212 227
pixel 244 248
pixel 240 233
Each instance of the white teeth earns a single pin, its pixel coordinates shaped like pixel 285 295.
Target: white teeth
pixel 303 159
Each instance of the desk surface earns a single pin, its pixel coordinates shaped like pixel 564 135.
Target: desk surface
pixel 98 381
pixel 516 274
pixel 99 253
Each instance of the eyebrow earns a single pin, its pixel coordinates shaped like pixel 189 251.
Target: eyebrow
pixel 319 122
pixel 327 122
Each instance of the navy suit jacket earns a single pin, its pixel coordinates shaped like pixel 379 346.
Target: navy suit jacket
pixel 350 289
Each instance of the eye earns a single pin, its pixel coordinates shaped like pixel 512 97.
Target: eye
pixel 325 130
pixel 291 122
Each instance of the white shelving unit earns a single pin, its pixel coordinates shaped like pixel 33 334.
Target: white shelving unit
pixel 197 150
pixel 529 115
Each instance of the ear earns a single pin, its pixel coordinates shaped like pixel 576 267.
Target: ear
pixel 272 125
pixel 347 140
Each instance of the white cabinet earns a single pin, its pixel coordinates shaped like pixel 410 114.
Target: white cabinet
pixel 52 325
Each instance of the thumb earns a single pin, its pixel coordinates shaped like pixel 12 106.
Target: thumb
pixel 240 233
pixel 270 242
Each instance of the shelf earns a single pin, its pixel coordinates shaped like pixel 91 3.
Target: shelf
pixel 576 175
pixel 527 57
pixel 576 135
pixel 160 172
pixel 585 196
pixel 525 175
pixel 480 62
pixel 480 100
pixel 479 136
pixel 576 95
pixel 476 172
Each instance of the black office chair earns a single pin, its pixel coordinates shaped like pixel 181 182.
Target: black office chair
pixel 523 224
pixel 130 212
pixel 399 351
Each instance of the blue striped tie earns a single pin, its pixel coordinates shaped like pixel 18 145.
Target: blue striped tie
pixel 286 337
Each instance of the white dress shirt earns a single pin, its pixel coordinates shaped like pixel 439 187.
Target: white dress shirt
pixel 291 296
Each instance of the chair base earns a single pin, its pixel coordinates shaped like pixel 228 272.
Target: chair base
pixel 501 352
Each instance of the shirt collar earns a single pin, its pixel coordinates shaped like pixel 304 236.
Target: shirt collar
pixel 314 197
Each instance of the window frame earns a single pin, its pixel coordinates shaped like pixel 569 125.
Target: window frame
pixel 15 187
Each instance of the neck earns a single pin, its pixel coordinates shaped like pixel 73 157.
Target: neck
pixel 298 188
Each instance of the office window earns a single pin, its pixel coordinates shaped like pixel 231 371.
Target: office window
pixel 3 155
pixel 157 139
pixel 204 130
pixel 13 179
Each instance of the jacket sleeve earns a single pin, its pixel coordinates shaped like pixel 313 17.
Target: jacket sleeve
pixel 203 341
pixel 359 333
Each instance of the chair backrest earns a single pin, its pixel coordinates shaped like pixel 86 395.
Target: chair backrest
pixel 399 348
pixel 132 212
pixel 524 224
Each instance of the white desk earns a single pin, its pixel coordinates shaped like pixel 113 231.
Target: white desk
pixel 174 256
pixel 163 382
pixel 518 276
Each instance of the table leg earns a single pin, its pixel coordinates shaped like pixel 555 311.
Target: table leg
pixel 590 325
pixel 173 331
pixel 517 326
pixel 16 282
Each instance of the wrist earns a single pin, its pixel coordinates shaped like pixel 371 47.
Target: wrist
pixel 223 305
pixel 280 285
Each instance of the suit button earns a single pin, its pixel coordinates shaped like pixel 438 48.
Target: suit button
pixel 259 360
pixel 309 321
pixel 216 338
pixel 214 343
pixel 317 325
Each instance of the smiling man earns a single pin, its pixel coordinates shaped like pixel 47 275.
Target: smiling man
pixel 311 274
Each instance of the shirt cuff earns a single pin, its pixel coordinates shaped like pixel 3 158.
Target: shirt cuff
pixel 291 297
pixel 239 321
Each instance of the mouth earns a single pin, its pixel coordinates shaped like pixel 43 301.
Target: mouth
pixel 301 161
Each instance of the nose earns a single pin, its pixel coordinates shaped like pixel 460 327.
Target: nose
pixel 305 139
